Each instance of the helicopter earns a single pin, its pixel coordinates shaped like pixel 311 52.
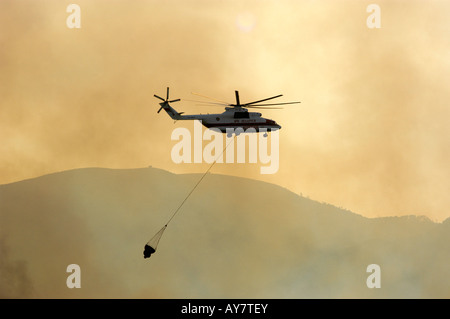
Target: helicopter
pixel 235 119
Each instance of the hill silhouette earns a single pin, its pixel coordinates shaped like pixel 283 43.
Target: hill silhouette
pixel 233 238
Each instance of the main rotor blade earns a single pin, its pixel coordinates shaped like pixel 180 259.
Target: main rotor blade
pixel 270 98
pixel 275 104
pixel 208 103
pixel 210 98
pixel 167 95
pixel 265 108
pixel 158 97
pixel 237 98
pixel 175 100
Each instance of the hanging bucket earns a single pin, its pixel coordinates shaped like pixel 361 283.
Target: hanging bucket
pixel 152 244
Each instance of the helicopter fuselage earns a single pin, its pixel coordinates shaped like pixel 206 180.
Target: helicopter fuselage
pixel 232 119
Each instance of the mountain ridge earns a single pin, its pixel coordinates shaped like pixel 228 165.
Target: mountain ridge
pixel 226 241
pixel 419 216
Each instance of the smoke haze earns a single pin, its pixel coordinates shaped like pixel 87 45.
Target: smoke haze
pixel 371 134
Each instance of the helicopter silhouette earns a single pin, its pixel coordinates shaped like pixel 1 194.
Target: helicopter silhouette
pixel 235 119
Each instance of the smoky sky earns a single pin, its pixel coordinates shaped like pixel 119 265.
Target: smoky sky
pixel 370 135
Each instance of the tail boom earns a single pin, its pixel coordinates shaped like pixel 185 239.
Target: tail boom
pixel 171 111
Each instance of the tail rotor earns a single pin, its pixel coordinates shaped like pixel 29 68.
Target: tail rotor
pixel 165 101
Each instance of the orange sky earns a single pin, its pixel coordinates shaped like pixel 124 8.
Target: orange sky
pixel 371 134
